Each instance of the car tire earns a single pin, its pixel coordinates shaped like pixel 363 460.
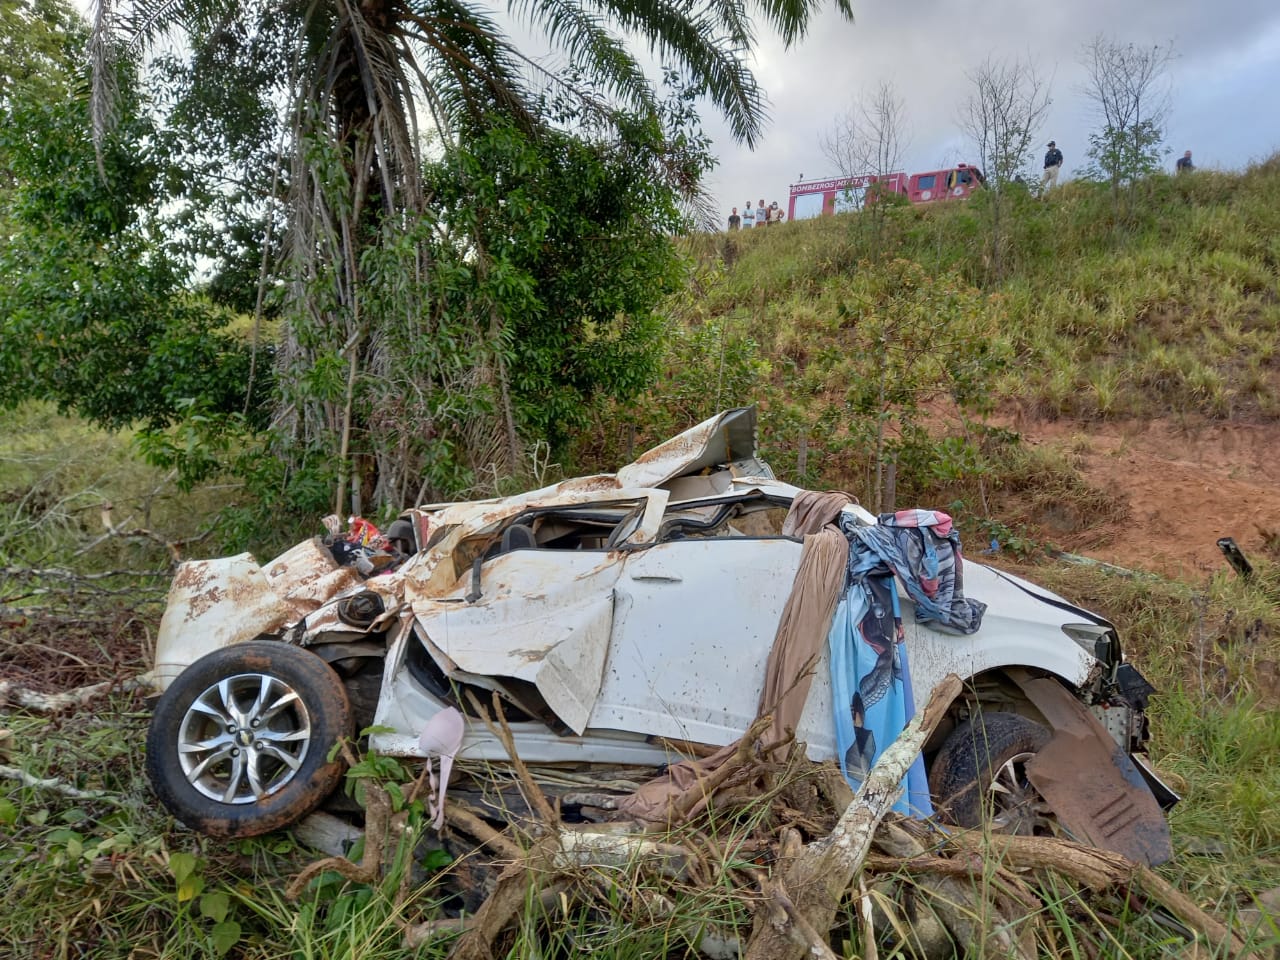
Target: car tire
pixel 979 778
pixel 239 742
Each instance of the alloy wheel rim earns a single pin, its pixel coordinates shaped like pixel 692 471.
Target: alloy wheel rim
pixel 244 738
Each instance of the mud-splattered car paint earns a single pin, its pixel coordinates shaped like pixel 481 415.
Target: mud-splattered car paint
pixel 617 614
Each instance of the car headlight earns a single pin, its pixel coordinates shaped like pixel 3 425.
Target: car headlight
pixel 1095 639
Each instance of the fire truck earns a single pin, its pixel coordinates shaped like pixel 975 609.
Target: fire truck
pixel 816 198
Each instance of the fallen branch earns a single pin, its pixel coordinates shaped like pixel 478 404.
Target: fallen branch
pixel 417 934
pixel 1100 870
pixel 593 845
pixel 465 820
pixel 54 785
pixel 380 832
pixel 791 923
pixel 1185 909
pixel 62 573
pixel 967 908
pixel 19 696
pixel 327 833
pixel 536 799
pixel 507 899
pixel 814 885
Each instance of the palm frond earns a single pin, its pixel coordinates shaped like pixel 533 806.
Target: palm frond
pixel 697 46
pixel 591 47
pixel 103 94
pixel 791 18
pixel 465 61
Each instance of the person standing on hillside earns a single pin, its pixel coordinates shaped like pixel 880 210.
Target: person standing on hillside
pixel 748 218
pixel 1052 164
pixel 1184 163
pixel 735 221
pixel 762 214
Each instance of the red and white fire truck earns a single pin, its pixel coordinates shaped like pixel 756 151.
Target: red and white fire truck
pixel 816 198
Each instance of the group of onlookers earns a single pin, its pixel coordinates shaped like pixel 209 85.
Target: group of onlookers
pixel 761 216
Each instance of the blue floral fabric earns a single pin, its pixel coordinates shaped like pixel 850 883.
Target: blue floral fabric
pixel 870 673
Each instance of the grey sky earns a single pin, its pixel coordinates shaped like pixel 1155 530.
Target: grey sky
pixel 1225 81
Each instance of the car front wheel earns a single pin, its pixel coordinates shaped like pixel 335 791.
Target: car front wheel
pixel 979 776
pixel 239 742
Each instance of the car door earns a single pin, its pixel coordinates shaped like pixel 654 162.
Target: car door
pixel 694 621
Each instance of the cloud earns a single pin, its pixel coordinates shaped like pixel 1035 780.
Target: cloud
pixel 1227 64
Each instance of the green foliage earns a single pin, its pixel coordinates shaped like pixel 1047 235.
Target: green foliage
pixel 92 307
pixel 855 367
pixel 1121 156
pixel 40 47
pixel 61 480
pixel 571 257
pixel 531 334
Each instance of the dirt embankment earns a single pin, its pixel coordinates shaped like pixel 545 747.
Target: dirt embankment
pixel 1186 485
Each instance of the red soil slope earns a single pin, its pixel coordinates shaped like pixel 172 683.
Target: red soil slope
pixel 1185 484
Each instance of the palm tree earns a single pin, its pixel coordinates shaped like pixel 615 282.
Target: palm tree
pixel 368 83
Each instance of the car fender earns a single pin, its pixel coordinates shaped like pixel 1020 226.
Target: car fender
pixel 1095 789
pixel 213 604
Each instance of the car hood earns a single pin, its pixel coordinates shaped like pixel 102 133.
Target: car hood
pixel 1052 606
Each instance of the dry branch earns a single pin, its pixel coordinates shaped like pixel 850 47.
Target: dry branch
pixel 593 845
pixel 417 934
pixel 19 696
pixel 1101 870
pixel 380 832
pixel 327 833
pixel 503 904
pixel 815 883
pixel 468 822
pixel 968 907
pixel 537 800
pixel 54 785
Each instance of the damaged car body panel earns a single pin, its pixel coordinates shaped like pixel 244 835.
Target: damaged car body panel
pixel 1096 790
pixel 544 623
pixel 726 441
pixel 617 614
pixel 212 604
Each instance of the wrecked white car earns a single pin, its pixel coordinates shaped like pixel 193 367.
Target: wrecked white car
pixel 626 621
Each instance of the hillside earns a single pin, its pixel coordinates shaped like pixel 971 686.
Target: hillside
pixel 1094 372
pixel 1183 487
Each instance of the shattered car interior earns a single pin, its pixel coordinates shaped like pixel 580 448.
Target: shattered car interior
pixel 628 622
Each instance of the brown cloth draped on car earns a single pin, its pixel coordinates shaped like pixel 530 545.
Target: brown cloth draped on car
pixel 802 629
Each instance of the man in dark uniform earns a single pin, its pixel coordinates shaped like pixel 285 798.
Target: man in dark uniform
pixel 1052 164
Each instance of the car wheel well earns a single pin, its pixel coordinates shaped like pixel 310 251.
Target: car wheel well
pixel 986 692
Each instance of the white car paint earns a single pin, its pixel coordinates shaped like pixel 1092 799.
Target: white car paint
pixel 625 642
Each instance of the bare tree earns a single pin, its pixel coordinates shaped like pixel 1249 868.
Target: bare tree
pixel 1002 116
pixel 870 137
pixel 1128 86
pixel 865 145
